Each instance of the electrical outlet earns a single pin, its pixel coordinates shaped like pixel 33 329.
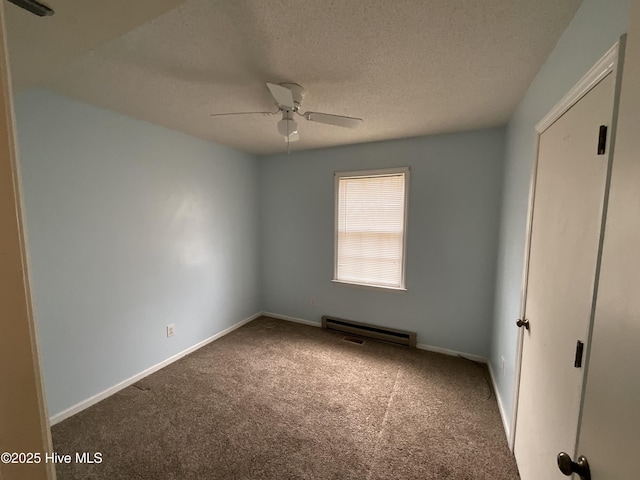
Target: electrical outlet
pixel 502 366
pixel 313 302
pixel 171 330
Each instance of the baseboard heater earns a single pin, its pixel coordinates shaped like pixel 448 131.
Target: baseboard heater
pixel 391 335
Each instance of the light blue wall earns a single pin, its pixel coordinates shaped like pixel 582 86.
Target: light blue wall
pixel 130 227
pixel 454 204
pixel 595 28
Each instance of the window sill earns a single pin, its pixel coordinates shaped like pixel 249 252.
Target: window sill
pixel 370 287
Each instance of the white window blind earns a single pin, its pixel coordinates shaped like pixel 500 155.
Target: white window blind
pixel 370 227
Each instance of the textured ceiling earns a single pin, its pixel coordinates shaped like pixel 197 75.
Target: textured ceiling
pixel 407 67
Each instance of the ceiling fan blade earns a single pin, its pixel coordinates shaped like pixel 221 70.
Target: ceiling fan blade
pixel 282 95
pixel 338 120
pixel 242 113
pixel 34 7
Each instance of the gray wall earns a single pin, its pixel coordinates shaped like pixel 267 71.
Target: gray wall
pixel 130 227
pixel 454 204
pixel 595 28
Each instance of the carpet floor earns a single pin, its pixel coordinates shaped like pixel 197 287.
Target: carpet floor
pixel 280 400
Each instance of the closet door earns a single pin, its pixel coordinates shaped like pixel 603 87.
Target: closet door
pixel 566 230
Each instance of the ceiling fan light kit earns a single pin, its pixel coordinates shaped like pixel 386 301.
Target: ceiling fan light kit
pixel 287 127
pixel 288 98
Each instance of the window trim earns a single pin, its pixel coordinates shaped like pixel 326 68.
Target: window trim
pixel 381 172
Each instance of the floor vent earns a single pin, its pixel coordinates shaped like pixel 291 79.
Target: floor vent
pixel 357 341
pixel 392 335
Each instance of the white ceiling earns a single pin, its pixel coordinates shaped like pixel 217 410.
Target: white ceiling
pixel 407 67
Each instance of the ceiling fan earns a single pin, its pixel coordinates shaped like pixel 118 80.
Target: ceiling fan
pixel 288 98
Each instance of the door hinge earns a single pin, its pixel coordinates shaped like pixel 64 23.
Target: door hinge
pixel 602 140
pixel 579 351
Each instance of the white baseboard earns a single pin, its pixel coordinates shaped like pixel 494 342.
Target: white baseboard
pixel 292 319
pixel 453 353
pixel 503 414
pixel 78 407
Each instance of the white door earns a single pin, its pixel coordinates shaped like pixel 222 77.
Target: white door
pixel 565 238
pixel 610 427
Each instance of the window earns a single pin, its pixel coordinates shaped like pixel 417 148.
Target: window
pixel 371 217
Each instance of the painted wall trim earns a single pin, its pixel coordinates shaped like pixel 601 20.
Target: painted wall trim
pixel 77 408
pixel 292 319
pixel 503 413
pixel 605 66
pixel 452 353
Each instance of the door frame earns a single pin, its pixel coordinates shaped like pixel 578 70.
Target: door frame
pixel 23 388
pixel 607 65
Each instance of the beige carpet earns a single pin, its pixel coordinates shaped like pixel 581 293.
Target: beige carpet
pixel 279 400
